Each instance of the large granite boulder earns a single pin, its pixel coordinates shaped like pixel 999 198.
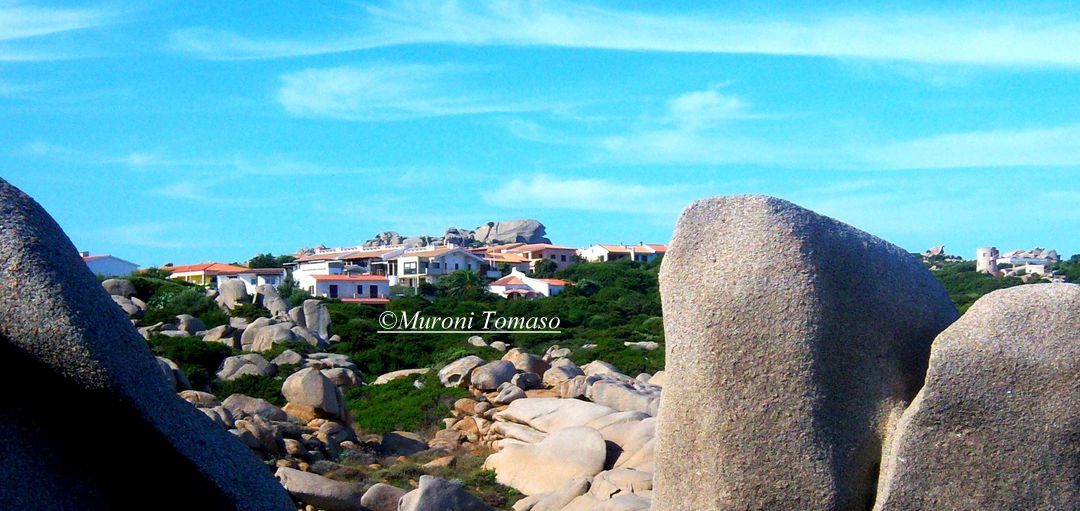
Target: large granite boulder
pixel 119 287
pixel 312 395
pixel 797 342
pixel 321 492
pixel 316 317
pixel 459 372
pixel 437 494
pixel 492 374
pixel 997 425
pixel 232 292
pixel 268 297
pixel 544 467
pixel 61 325
pixel 511 231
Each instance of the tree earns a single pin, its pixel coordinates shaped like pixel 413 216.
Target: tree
pixel 462 284
pixel 269 260
pixel 545 269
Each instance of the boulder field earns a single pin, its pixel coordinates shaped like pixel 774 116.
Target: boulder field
pixel 810 366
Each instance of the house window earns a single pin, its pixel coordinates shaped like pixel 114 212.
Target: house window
pixel 410 268
pixel 333 290
pixel 468 266
pixel 563 258
pixel 435 265
pixel 359 290
pixel 457 266
pixel 373 291
pixel 552 257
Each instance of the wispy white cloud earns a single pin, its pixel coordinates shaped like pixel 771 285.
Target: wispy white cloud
pixel 378 92
pixel 21 22
pixel 952 37
pixel 1056 146
pixel 551 192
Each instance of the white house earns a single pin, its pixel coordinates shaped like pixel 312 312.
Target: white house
pixel 519 285
pixel 255 277
pixel 642 252
pixel 342 261
pixel 370 289
pixel 107 265
pixel 213 274
pixel 426 264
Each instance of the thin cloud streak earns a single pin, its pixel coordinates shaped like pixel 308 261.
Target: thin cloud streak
pixel 384 92
pixel 961 38
pixel 19 23
pixel 549 192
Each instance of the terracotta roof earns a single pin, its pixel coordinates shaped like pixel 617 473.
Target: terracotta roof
pixel 505 258
pixel 540 246
pixel 209 268
pixel 508 280
pixel 554 282
pixel 363 278
pixel 264 271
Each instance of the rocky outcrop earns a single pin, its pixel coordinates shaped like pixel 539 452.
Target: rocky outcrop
pixel 459 372
pixel 792 370
pixel 232 292
pixel 60 324
pixel 564 455
pixel 240 365
pixel 491 233
pixel 996 425
pixel 489 376
pixel 401 373
pixel 382 497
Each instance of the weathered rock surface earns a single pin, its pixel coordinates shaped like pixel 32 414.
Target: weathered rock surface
pixel 321 492
pixel 401 373
pixel 312 395
pixel 240 365
pixel 459 372
pixel 268 296
pixel 382 497
pixel 266 337
pixel 544 467
pixel 996 425
pixel 526 362
pixel 190 324
pixel 792 371
pixel 317 318
pixel 245 406
pixel 61 325
pixel 489 376
pixel 436 494
pixel 232 292
pixel 119 287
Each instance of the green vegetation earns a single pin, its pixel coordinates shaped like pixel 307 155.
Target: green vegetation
pixel 965 285
pixel 198 359
pixel 168 302
pixel 545 269
pixel 1070 269
pixel 264 387
pixel 399 405
pixel 269 260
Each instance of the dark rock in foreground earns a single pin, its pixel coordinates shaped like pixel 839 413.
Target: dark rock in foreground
pixel 997 425
pixel 94 377
pixel 794 344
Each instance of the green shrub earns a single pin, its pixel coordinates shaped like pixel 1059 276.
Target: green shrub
pixel 198 359
pixel 398 405
pixel 249 311
pixel 264 387
pixel 167 303
pixel 629 361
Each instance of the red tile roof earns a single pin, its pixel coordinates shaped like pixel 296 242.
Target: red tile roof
pixel 365 278
pixel 208 268
pixel 640 249
pixel 540 246
pixel 508 280
pixel 554 282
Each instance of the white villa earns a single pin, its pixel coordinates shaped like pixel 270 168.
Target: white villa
pixel 519 285
pixel 370 289
pixel 416 266
pixel 107 265
pixel 641 252
pixel 213 274
pixel 342 261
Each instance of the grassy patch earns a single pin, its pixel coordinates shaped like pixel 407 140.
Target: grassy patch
pixel 398 405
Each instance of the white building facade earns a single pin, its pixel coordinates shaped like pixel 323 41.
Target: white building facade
pixel 107 265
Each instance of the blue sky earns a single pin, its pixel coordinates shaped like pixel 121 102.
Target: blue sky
pixel 174 132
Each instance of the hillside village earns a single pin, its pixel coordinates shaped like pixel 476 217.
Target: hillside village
pixel 515 257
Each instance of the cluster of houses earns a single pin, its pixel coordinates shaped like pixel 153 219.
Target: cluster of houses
pixel 369 274
pixel 1036 261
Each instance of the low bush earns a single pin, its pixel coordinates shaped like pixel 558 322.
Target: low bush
pixel 399 405
pixel 264 387
pixel 198 359
pixel 167 303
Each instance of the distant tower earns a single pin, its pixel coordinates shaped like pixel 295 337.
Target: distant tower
pixel 986 260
